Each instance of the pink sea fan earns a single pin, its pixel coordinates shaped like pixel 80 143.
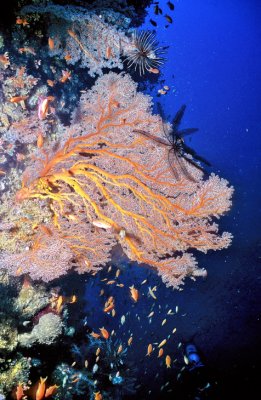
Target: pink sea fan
pixel 105 170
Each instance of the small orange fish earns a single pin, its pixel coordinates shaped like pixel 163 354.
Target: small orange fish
pixel 40 389
pixel 21 21
pixel 161 91
pixel 104 333
pixel 17 99
pixel 149 350
pixel 67 57
pixel 40 141
pixel 19 271
pixel 161 351
pixel 108 52
pixel 154 70
pixel 19 391
pixel 97 396
pixel 164 341
pixel 65 76
pixel 95 335
pixel 4 59
pixel 27 50
pixel 168 361
pixel 50 390
pixel 109 308
pixel 109 305
pixel 73 299
pixel 59 304
pixel 43 107
pixel 134 293
pixel 130 340
pixel 111 282
pixel 50 83
pixel 71 33
pixel 51 43
pixel 119 349
pixel 2 173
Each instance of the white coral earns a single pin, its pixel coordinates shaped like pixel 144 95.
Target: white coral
pixel 48 329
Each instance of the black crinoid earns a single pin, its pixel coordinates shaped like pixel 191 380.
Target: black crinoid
pixel 178 150
pixel 145 54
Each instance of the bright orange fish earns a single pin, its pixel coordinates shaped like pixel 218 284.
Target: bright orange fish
pixel 149 350
pixel 153 70
pixel 130 340
pixel 95 335
pixel 67 57
pixel 17 99
pixel 168 361
pixel 109 308
pixel 161 351
pixel 108 52
pixel 50 83
pixel 65 76
pixel 19 391
pixel 21 21
pixel 73 299
pixel 109 305
pixel 119 349
pixel 164 341
pixel 19 271
pixel 40 141
pixel 59 304
pixel 43 107
pixel 40 389
pixel 27 50
pixel 50 390
pixel 4 59
pixel 97 396
pixel 134 293
pixel 104 333
pixel 51 43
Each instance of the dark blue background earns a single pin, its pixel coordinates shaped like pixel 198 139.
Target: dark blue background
pixel 215 58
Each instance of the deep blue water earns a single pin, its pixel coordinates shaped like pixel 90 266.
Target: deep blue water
pixel 215 57
pixel 214 66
